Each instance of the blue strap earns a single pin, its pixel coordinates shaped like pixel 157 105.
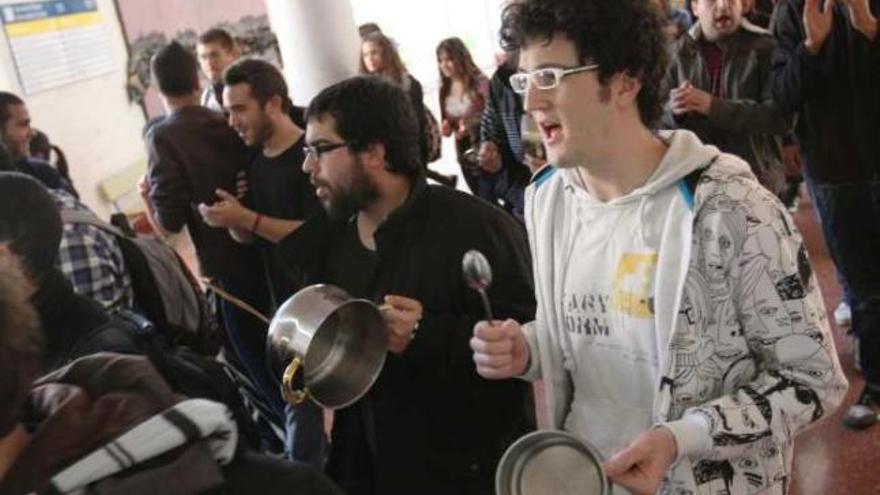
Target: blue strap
pixel 543 174
pixel 687 193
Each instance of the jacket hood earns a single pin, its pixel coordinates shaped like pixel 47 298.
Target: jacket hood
pixel 685 154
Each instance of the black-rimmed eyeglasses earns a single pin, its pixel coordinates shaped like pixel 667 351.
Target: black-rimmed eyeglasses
pixel 316 150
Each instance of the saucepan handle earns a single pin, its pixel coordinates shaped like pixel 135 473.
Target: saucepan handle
pixel 293 397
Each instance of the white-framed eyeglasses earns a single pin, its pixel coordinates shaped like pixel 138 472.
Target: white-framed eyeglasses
pixel 546 78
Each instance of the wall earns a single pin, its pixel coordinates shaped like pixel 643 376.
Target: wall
pixel 90 120
pixel 99 130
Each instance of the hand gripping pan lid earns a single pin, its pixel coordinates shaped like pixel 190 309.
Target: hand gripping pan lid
pixel 551 462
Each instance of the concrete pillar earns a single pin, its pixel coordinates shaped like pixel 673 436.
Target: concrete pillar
pixel 319 43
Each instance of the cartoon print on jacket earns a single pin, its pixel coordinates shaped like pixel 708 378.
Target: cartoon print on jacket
pixel 744 308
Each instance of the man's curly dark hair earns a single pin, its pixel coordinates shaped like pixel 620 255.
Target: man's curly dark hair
pixel 622 36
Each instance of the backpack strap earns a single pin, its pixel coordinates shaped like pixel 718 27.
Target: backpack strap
pixel 85 217
pixel 687 186
pixel 543 174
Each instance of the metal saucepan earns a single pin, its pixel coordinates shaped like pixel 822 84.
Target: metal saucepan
pixel 551 462
pixel 337 340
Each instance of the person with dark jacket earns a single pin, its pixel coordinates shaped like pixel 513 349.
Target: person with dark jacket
pixel 16 134
pixel 504 173
pixel 719 82
pixel 430 424
pixel 30 232
pixel 193 154
pixel 827 70
pixel 84 426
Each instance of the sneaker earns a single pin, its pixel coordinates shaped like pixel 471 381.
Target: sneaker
pixel 843 314
pixel 863 413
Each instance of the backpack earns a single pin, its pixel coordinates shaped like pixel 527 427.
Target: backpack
pixel 187 372
pixel 165 291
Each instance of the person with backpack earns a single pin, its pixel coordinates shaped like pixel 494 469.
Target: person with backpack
pixel 110 423
pixel 379 56
pixel 30 234
pixel 680 329
pixel 75 326
pixel 91 258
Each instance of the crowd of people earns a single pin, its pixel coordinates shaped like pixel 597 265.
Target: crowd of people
pixel 646 266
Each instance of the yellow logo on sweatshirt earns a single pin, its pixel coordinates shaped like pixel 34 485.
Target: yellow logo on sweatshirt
pixel 633 292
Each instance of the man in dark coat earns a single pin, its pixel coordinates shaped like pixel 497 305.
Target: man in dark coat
pixel 430 424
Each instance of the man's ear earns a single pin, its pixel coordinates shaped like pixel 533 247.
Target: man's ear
pixel 625 89
pixel 274 105
pixel 374 156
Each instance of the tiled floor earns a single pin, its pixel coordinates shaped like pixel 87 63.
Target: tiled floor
pixel 831 459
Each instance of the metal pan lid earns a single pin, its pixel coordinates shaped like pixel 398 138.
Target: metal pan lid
pixel 551 462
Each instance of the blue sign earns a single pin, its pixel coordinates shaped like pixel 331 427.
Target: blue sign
pixel 23 12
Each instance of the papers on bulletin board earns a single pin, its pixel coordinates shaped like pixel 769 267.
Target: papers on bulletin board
pixel 57 42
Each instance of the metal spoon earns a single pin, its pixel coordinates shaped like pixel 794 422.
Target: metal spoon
pixel 478 275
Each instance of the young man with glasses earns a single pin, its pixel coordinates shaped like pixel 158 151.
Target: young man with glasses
pixel 430 425
pixel 679 327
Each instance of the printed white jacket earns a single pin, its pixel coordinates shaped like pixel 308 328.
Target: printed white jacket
pixel 748 361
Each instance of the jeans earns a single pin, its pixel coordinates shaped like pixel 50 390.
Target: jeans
pixel 850 218
pixel 245 335
pixel 504 191
pixel 305 441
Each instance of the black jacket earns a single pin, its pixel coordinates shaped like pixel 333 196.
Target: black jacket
pixel 76 326
pixel 744 121
pixel 501 124
pixel 193 152
pixel 432 425
pixel 834 92
pixel 46 174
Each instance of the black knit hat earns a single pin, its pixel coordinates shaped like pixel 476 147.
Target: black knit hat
pixel 30 222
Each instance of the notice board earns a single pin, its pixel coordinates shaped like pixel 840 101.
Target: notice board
pixel 56 42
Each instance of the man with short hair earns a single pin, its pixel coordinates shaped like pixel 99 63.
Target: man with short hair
pixel 429 425
pixel 720 89
pixel 279 198
pixel 216 50
pixel 680 329
pixel 827 70
pixel 16 133
pixel 193 154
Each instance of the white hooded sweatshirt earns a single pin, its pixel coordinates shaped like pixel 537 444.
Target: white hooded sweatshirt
pixel 687 305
